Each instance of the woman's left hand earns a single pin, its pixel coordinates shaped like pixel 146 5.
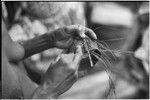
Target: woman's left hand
pixel 63 37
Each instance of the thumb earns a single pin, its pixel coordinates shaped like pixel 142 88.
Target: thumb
pixel 78 55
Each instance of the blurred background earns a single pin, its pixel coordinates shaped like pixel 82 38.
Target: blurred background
pixel 123 26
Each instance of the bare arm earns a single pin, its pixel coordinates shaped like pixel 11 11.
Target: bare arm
pixel 16 51
pixel 60 38
pixel 37 44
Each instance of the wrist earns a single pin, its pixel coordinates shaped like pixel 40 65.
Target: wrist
pixel 38 44
pixel 44 92
pixel 50 38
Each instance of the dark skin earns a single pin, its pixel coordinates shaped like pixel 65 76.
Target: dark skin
pixel 60 75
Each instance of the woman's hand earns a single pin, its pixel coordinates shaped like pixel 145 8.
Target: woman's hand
pixel 60 76
pixel 63 37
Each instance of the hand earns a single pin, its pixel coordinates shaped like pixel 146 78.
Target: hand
pixel 64 37
pixel 60 76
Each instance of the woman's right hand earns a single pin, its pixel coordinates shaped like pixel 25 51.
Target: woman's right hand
pixel 60 76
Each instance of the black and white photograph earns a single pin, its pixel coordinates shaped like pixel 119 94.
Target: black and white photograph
pixel 75 49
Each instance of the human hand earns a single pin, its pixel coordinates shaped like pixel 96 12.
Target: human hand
pixel 60 76
pixel 64 37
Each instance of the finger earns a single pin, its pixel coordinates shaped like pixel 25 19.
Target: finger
pixel 90 33
pixel 83 32
pixel 78 55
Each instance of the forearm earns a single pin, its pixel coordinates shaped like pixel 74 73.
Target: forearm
pixel 37 44
pixel 14 51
